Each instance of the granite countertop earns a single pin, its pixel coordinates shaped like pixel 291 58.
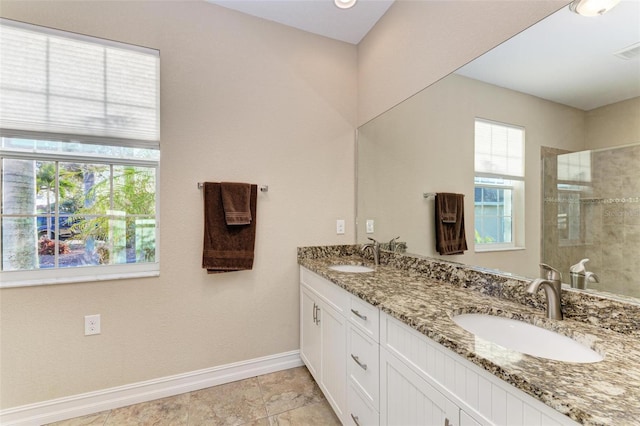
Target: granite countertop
pixel 602 393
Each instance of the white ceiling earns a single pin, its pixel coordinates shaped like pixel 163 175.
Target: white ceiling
pixel 565 58
pixel 568 58
pixel 321 17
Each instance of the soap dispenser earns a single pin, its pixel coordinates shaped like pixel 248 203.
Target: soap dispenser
pixel 580 276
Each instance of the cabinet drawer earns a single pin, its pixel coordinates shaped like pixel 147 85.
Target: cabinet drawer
pixel 365 316
pixel 359 413
pixel 363 365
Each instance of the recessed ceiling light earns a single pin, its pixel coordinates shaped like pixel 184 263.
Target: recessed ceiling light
pixel 345 4
pixel 592 7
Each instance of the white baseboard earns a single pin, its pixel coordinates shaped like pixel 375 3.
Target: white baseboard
pixel 107 399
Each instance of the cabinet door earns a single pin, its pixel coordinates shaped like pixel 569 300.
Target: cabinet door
pixel 467 420
pixel 407 399
pixel 333 370
pixel 309 331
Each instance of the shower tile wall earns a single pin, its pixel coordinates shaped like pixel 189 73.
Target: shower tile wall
pixel 599 221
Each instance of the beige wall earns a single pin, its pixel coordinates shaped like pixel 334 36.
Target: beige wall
pixel 613 125
pixel 242 100
pixel 417 42
pixel 426 144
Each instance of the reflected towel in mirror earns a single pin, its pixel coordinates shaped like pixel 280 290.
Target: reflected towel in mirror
pixel 450 234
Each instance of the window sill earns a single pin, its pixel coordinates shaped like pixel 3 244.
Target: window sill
pixel 85 276
pixel 498 249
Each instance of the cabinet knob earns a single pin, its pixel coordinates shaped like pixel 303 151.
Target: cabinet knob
pixel 355 358
pixel 356 420
pixel 359 315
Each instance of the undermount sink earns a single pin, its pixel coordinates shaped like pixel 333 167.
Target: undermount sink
pixel 526 338
pixel 351 268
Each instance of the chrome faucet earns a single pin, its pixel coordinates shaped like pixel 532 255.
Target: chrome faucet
pixel 374 246
pixel 551 282
pixel 580 276
pixel 550 273
pixel 590 276
pixel 392 244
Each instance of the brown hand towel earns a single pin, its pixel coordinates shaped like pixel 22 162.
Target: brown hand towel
pixel 236 201
pixel 226 248
pixel 449 210
pixel 450 235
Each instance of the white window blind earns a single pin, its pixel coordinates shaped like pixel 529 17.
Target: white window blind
pixel 56 85
pixel 499 150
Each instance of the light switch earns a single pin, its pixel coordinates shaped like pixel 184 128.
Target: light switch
pixel 369 226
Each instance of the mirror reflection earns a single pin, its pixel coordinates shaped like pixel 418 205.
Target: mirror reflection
pixel 571 85
pixel 591 212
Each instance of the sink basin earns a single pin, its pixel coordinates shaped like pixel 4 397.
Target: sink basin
pixel 526 338
pixel 351 268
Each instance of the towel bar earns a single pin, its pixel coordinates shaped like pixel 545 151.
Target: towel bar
pixel 263 188
pixel 428 194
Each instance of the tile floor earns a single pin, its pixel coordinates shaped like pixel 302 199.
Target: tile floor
pixel 288 397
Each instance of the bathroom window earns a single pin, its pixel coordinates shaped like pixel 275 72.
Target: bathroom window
pixel 499 186
pixel 79 157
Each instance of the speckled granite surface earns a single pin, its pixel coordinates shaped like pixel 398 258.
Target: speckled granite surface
pixel 426 293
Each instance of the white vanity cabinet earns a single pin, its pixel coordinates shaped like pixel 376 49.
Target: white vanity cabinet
pixel 323 336
pixel 339 345
pixel 410 400
pixel 363 364
pixel 310 330
pixel 410 397
pixel 376 370
pixel 434 381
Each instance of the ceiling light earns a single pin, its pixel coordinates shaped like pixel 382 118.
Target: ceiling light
pixel 592 7
pixel 345 4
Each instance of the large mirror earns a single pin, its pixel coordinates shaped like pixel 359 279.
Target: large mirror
pixel 572 85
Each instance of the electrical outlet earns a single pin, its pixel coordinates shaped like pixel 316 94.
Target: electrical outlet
pixel 340 226
pixel 369 226
pixel 91 324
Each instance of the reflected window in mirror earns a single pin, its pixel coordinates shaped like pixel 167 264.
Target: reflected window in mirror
pixel 574 184
pixel 499 186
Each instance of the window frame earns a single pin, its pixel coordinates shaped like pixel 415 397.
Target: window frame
pixel 65 275
pixel 130 91
pixel 516 185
